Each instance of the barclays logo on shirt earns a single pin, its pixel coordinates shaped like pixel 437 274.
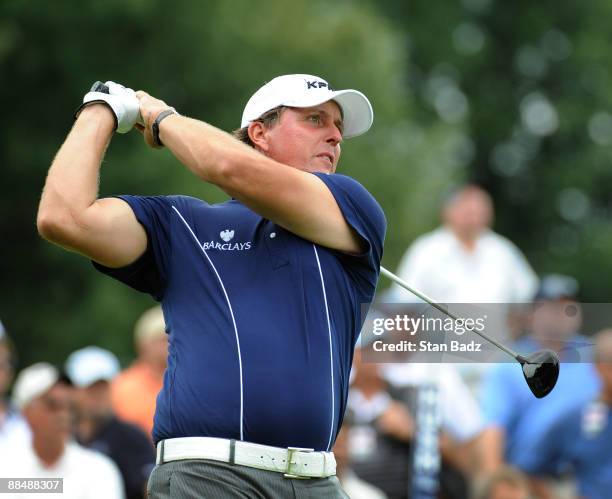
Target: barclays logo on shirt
pixel 226 235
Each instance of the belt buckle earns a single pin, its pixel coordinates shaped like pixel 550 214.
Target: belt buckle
pixel 290 452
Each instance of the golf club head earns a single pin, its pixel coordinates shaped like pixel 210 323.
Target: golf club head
pixel 541 371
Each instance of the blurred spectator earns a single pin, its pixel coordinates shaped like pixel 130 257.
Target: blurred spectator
pixel 134 391
pixel 460 415
pixel 514 417
pixel 91 370
pixel 383 435
pixel 44 399
pixel 505 483
pixel 464 261
pixel 13 428
pixel 355 487
pixel 580 441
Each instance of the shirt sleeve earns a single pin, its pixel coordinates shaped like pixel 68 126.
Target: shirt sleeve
pixel 149 273
pixel 460 412
pixel 106 479
pixel 366 217
pixel 546 454
pixel 524 278
pixel 414 269
pixel 499 397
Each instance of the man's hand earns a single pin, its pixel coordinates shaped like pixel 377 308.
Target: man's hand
pixel 397 422
pixel 150 108
pixel 121 100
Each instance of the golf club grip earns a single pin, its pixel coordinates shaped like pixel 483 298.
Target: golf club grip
pixel 100 87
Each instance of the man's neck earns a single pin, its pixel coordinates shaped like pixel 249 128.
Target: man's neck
pixel 48 452
pixel 466 240
pixel 89 428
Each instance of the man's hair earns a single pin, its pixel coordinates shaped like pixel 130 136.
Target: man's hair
pixel 452 194
pixel 267 118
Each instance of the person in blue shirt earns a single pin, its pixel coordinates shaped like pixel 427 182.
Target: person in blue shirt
pixel 513 416
pixel 263 295
pixel 579 441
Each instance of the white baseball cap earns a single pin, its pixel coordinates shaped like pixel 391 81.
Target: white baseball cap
pixel 300 90
pixel 90 364
pixel 34 381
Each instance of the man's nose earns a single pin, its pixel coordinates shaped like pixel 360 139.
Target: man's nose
pixel 335 136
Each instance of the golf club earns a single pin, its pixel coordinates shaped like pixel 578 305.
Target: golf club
pixel 541 368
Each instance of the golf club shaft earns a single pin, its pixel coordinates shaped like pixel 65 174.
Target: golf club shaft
pixel 425 298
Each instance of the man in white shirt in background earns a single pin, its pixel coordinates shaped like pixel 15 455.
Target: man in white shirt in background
pixel 14 431
pixel 44 399
pixel 465 261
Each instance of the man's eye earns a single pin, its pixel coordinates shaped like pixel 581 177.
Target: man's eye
pixel 315 118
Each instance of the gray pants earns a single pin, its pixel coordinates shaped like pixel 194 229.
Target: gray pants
pixel 204 479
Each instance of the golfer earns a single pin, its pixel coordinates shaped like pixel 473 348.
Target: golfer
pixel 263 295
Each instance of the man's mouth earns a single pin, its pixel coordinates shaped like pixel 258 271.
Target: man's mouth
pixel 327 156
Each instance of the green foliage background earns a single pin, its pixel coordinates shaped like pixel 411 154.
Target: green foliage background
pixel 451 84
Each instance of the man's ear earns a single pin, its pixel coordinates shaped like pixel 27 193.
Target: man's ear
pixel 27 413
pixel 257 133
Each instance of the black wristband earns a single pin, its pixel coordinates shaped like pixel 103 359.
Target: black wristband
pixel 87 104
pixel 155 125
pixel 98 86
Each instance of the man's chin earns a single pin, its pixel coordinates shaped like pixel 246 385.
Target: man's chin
pixel 321 165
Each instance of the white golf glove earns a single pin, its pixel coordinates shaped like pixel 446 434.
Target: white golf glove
pixel 123 102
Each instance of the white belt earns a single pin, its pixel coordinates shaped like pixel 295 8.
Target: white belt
pixel 294 462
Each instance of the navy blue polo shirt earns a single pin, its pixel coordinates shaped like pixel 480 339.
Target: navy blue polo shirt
pixel 579 439
pixel 261 323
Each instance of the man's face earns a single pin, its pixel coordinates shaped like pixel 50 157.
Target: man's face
pixel 49 415
pixel 6 371
pixel 604 369
pixel 154 351
pixel 94 401
pixel 603 364
pixel 556 320
pixel 306 138
pixel 470 212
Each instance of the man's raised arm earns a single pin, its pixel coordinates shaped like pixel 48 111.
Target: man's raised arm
pixel 70 215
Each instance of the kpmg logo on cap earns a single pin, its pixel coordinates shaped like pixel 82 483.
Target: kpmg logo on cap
pixel 317 84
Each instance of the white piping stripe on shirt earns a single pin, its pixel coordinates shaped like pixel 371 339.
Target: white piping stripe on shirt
pixel 233 320
pixel 331 352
